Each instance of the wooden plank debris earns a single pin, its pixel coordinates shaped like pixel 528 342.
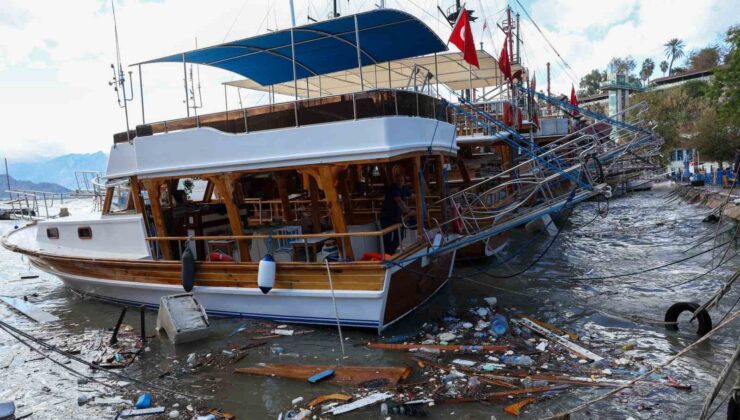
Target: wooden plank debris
pixel 330 397
pixel 515 409
pixel 441 347
pixel 556 330
pixel 343 374
pixel 562 341
pixel 28 309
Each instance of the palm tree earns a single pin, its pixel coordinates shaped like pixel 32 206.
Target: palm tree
pixel 673 50
pixel 663 66
pixel 647 69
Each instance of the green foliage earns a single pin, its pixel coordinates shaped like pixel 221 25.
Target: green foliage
pixel 647 69
pixel 622 65
pixel 664 66
pixel 589 84
pixel 673 50
pixel 696 89
pixel 705 58
pixel 725 87
pixel 713 139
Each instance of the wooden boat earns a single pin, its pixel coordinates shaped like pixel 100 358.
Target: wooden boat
pixel 320 149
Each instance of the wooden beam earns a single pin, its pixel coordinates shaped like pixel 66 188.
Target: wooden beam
pixel 136 194
pixel 224 186
pixel 155 193
pixel 208 193
pixel 108 200
pixel 463 169
pixel 327 182
pixel 416 161
pixel 346 201
pixel 315 204
pixel 282 184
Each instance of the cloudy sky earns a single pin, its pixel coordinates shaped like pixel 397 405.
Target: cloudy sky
pixel 55 55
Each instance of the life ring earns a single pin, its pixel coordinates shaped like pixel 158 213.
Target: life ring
pixel 219 256
pixel 188 270
pixel 672 314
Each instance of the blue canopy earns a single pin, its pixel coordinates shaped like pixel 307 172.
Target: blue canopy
pixel 320 48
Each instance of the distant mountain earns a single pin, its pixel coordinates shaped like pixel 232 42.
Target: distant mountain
pixel 28 185
pixel 59 170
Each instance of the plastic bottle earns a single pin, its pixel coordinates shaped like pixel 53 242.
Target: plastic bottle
pixel 499 325
pixel 384 409
pixel 517 360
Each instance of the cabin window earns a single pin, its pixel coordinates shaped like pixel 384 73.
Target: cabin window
pixel 84 232
pixel 52 233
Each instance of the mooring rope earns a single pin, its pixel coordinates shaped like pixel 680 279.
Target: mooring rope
pixel 7 327
pixel 645 375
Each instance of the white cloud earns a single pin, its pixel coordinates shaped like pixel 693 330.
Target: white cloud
pixel 55 55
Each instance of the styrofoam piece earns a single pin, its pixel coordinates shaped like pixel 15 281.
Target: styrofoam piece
pixel 182 318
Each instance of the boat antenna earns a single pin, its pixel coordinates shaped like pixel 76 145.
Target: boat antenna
pixel 197 100
pixel 335 13
pixel 119 77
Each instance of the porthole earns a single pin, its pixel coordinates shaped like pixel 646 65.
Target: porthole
pixel 84 232
pixel 52 233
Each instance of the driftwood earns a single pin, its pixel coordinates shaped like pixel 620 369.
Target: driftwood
pixel 342 374
pixel 441 347
pixel 331 397
pixel 515 408
pixel 503 395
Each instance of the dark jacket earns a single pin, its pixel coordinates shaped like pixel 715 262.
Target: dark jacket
pixel 736 167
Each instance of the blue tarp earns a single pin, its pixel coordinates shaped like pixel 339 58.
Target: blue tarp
pixel 320 48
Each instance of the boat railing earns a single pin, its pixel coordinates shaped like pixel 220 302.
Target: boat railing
pixel 302 247
pixel 346 107
pixel 27 204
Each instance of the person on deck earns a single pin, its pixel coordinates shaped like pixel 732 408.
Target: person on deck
pixel 392 212
pixel 736 166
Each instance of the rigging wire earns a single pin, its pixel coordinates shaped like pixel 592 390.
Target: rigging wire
pixel 7 327
pixel 545 37
pixel 236 18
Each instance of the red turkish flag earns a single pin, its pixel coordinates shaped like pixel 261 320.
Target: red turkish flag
pixel 503 60
pixel 573 98
pixel 462 38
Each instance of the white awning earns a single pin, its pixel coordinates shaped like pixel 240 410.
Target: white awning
pixel 451 70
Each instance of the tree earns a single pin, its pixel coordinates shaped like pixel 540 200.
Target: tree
pixel 725 88
pixel 673 50
pixel 589 84
pixel 664 67
pixel 619 65
pixel 705 58
pixel 713 140
pixel 647 69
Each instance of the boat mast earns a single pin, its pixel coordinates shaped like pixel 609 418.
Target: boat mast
pixel 335 14
pixel 292 13
pixel 119 77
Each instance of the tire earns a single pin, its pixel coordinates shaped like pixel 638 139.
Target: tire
pixel 733 409
pixel 672 314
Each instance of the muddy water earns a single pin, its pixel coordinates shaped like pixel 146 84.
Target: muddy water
pixel 640 231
